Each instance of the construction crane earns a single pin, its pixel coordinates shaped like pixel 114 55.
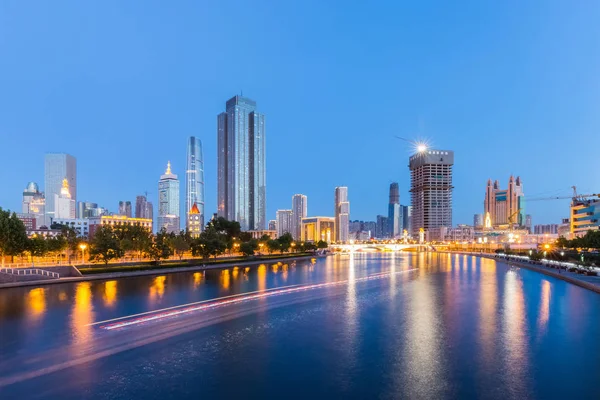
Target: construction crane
pixel 575 196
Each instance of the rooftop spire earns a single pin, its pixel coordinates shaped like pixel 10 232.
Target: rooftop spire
pixel 168 168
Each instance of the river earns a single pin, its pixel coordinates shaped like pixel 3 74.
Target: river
pixel 378 325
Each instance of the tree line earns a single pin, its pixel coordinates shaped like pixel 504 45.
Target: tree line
pixel 591 240
pixel 114 242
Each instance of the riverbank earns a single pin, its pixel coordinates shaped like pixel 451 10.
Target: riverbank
pixel 587 282
pixel 106 274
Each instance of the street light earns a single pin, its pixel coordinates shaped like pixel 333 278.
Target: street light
pixel 83 246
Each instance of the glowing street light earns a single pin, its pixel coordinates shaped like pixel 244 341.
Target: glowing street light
pixel 83 246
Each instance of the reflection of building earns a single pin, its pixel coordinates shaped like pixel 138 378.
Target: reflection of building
pixel 284 222
pixel 318 228
pixel 431 190
pixel 80 225
pixel 504 206
pixel 116 221
pixel 585 216
pixel 272 225
pixel 143 208
pixel 299 211
pixel 194 221
pixel 64 205
pixel 342 214
pixel 194 185
pixel 34 203
pixel 394 212
pixel 168 202
pixel 478 220
pixel 57 167
pixel 241 170
pixel 381 227
pixel 125 208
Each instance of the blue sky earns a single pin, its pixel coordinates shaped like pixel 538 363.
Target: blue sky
pixel 511 87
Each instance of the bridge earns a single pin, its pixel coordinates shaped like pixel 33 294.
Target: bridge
pixel 386 247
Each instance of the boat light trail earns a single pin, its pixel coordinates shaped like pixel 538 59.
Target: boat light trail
pixel 229 300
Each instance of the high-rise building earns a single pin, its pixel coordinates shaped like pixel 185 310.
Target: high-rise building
pixel 431 190
pixel 273 225
pixel 143 208
pixel 64 205
pixel 394 212
pixel 125 208
pixel 241 171
pixel 478 220
pixel 528 223
pixel 194 187
pixel 57 167
pixel 299 211
pixel 168 202
pixel 284 222
pixel 585 216
pixel 504 206
pixel 86 209
pixel 406 219
pixel 342 214
pixel 34 204
pixel 381 227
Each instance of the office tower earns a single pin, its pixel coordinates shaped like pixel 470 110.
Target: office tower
pixel 431 191
pixel 64 205
pixel 504 206
pixel 342 214
pixel 478 220
pixel 272 225
pixel 406 219
pixel 86 209
pixel 394 212
pixel 528 223
pixel 381 227
pixel 284 222
pixel 299 211
pixel 168 202
pixel 34 204
pixel 125 208
pixel 194 187
pixel 241 170
pixel 143 208
pixel 57 167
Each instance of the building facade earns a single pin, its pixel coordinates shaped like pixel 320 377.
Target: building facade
pixel 342 214
pixel 272 225
pixel 284 222
pixel 381 230
pixel 194 186
pixel 64 205
pixel 80 225
pixel 315 229
pixel 116 221
pixel 125 208
pixel 34 203
pixel 143 208
pixel 431 190
pixel 585 216
pixel 478 220
pixel 406 219
pixel 241 164
pixel 299 211
pixel 168 202
pixel 394 212
pixel 547 228
pixel 57 167
pixel 504 206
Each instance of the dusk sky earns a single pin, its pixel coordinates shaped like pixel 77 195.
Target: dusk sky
pixel 511 87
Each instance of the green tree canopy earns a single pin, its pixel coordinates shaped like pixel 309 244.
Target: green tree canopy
pixel 105 245
pixel 13 235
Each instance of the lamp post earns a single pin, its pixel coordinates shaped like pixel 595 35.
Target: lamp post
pixel 83 246
pixel 260 246
pixel 293 245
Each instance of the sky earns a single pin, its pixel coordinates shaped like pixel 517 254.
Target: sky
pixel 511 87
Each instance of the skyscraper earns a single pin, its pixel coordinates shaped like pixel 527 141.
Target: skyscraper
pixel 503 207
pixel 143 208
pixel 431 191
pixel 57 167
pixel 407 219
pixel 194 186
pixel 34 203
pixel 125 208
pixel 478 220
pixel 64 205
pixel 342 214
pixel 394 212
pixel 381 227
pixel 299 211
pixel 168 201
pixel 272 225
pixel 241 171
pixel 284 222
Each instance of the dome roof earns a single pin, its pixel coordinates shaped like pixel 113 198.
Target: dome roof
pixel 32 187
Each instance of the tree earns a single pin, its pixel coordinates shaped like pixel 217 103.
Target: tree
pixel 160 247
pixel 248 248
pixel 285 241
pixel 231 229
pixel 209 243
pixel 272 245
pixel 181 243
pixel 309 246
pixel 13 235
pixel 321 244
pixel 37 246
pixel 105 245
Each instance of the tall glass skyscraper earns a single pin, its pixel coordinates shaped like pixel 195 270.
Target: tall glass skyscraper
pixel 394 212
pixel 342 214
pixel 194 186
pixel 299 211
pixel 168 201
pixel 241 169
pixel 57 167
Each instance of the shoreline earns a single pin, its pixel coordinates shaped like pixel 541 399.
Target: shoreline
pixel 564 275
pixel 158 271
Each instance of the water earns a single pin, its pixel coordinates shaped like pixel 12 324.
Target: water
pixel 428 326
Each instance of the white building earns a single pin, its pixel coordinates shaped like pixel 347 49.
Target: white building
pixel 284 222
pixel 57 167
pixel 342 214
pixel 34 203
pixel 299 211
pixel 64 205
pixel 81 225
pixel 168 202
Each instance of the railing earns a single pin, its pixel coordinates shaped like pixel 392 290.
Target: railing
pixel 30 272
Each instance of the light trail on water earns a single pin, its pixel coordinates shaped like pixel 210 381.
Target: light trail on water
pixel 229 300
